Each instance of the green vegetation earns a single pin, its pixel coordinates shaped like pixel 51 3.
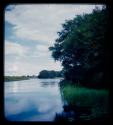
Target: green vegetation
pixel 82 50
pixel 50 74
pixel 96 99
pixel 15 78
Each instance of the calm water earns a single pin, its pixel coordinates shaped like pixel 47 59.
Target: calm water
pixel 32 100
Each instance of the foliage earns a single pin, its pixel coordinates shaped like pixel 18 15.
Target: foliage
pixel 49 74
pixel 81 48
pixel 96 99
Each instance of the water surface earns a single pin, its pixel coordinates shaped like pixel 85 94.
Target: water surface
pixel 32 100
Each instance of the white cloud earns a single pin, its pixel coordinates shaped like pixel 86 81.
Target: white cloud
pixel 14 48
pixel 41 51
pixel 42 21
pixel 42 48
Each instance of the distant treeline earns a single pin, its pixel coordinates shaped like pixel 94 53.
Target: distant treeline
pixel 17 78
pixel 50 74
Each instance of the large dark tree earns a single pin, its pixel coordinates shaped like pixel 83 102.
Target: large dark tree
pixel 81 48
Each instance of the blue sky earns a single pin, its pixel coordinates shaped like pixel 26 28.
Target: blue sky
pixel 30 29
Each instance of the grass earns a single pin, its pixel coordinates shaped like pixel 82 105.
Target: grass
pixel 97 99
pixel 15 78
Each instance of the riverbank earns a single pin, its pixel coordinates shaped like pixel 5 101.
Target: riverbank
pixel 15 78
pixel 96 101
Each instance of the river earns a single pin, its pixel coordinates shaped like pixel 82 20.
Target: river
pixel 32 100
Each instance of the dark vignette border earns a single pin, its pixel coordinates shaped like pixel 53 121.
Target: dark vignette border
pixel 108 45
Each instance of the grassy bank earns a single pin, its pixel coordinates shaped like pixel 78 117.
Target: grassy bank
pixel 96 99
pixel 15 78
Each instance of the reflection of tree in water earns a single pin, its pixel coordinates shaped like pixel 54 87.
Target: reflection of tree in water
pixel 73 113
pixel 45 84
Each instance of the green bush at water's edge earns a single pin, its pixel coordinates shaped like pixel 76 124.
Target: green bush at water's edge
pixel 96 99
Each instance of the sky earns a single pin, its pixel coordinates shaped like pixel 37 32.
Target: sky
pixel 30 29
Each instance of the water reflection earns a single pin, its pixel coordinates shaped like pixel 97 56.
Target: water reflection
pixel 32 100
pixel 46 84
pixel 15 87
pixel 73 113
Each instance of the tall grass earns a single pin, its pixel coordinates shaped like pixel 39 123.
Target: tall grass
pixel 97 99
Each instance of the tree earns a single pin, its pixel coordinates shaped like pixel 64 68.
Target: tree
pixel 81 48
pixel 49 74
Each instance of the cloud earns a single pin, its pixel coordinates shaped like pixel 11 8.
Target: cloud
pixel 42 48
pixel 14 48
pixel 20 60
pixel 29 68
pixel 40 51
pixel 42 21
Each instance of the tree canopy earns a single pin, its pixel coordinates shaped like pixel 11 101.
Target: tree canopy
pixel 50 74
pixel 81 48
